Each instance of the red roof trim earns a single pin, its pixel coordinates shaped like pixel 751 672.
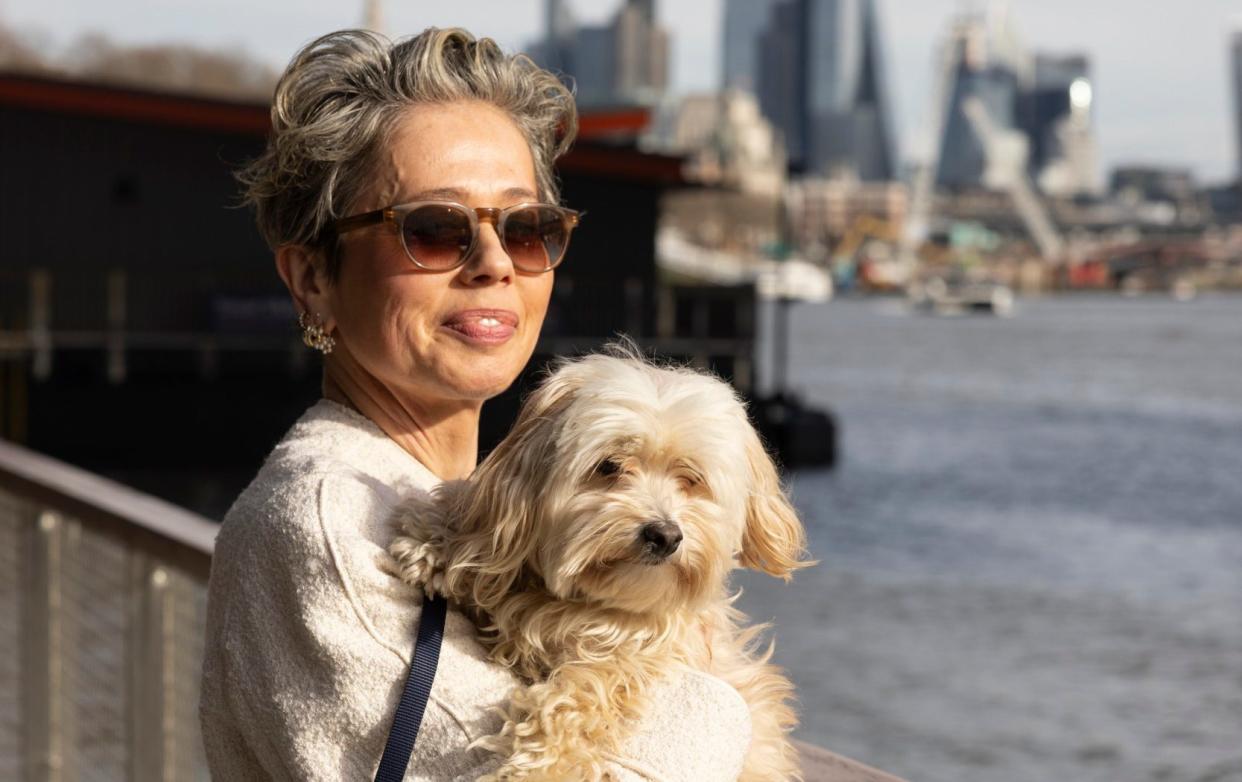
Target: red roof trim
pixel 629 121
pixel 132 105
pixel 622 163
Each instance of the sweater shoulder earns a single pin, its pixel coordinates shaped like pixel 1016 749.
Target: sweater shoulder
pixel 328 468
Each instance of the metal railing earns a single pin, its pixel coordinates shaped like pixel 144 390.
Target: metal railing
pixel 122 315
pixel 102 607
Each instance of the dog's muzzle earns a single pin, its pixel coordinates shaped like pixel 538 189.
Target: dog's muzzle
pixel 659 539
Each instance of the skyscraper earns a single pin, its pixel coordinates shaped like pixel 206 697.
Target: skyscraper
pixel 640 51
pixel 1057 117
pixel 373 16
pixel 985 69
pixel 625 61
pixel 1044 102
pixel 781 62
pixel 847 103
pixel 822 82
pixel 559 28
pixel 744 21
pixel 1235 61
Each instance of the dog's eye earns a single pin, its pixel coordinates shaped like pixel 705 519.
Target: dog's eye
pixel 608 468
pixel 690 480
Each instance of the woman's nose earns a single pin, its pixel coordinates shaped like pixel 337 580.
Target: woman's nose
pixel 488 262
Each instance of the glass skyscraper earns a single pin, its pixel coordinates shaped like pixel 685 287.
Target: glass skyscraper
pixel 1045 99
pixel 1235 64
pixel 848 111
pixel 744 21
pixel 822 82
pixel 623 62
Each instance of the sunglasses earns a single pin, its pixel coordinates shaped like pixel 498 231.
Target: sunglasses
pixel 440 235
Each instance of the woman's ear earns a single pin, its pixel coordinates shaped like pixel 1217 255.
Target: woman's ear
pixel 304 272
pixel 773 540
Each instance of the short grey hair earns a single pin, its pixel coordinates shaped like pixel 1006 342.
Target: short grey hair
pixel 340 99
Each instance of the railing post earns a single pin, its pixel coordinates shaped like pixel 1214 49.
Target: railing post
pixel 41 322
pixel 701 331
pixel 151 671
pixel 744 349
pixel 116 326
pixel 46 654
pixel 666 312
pixel 634 314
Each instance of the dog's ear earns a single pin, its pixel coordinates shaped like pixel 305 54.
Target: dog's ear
pixel 497 514
pixel 773 540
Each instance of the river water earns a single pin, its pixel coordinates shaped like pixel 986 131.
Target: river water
pixel 1031 552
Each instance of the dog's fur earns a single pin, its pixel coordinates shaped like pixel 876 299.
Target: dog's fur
pixel 544 548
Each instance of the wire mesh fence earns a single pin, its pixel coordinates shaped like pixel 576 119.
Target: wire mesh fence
pixel 102 651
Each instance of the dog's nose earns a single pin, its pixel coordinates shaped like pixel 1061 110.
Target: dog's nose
pixel 661 538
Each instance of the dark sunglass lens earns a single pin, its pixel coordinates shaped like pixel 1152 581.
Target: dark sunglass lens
pixel 535 237
pixel 436 236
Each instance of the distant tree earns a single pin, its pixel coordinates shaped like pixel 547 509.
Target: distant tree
pixel 182 68
pixel 17 55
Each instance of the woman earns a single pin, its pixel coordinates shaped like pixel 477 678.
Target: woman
pixel 423 312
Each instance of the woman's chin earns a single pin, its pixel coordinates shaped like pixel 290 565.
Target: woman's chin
pixel 483 380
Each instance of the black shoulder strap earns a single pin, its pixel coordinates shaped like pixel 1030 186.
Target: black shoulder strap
pixel 417 689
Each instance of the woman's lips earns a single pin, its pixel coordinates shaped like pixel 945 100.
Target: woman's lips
pixel 490 327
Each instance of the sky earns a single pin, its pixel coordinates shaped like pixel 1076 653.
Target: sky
pixel 1160 67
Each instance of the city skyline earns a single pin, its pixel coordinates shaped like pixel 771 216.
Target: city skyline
pixel 1167 105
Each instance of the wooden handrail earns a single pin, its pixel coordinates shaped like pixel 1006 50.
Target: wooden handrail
pixel 820 765
pixel 185 539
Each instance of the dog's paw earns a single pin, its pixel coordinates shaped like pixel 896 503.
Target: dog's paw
pixel 418 563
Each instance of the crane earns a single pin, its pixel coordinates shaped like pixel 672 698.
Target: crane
pixel 1006 152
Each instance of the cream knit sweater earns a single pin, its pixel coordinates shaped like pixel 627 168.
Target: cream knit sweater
pixel 308 638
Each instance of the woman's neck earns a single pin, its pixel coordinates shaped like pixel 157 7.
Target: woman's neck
pixel 444 439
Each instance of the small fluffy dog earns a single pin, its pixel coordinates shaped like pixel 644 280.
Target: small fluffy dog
pixel 592 548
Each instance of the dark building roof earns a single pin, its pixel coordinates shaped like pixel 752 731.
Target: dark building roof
pixel 605 138
pixel 132 105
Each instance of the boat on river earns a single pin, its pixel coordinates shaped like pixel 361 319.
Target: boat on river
pixel 938 296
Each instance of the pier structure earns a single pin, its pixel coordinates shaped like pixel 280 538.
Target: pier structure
pixel 133 290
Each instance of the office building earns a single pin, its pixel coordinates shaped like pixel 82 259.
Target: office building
pixel 985 64
pixel 850 128
pixel 822 81
pixel 640 51
pixel 744 21
pixel 554 51
pixel 1235 63
pixel 781 61
pixel 1057 117
pixel 622 62
pixel 1040 108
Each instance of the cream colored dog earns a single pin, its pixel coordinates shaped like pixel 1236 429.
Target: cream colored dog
pixel 593 547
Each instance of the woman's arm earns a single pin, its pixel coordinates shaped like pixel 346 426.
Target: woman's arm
pixel 308 643
pixel 697 729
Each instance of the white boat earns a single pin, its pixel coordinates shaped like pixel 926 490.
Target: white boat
pixel 940 297
pixel 794 278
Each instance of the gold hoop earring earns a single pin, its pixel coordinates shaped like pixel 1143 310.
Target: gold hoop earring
pixel 313 334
